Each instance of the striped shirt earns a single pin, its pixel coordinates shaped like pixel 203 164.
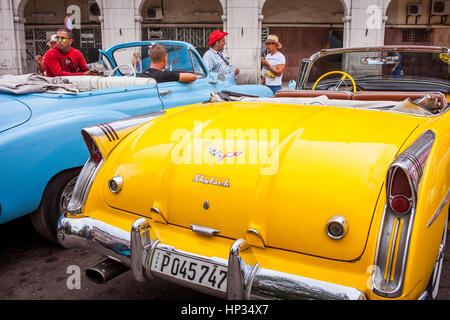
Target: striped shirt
pixel 216 61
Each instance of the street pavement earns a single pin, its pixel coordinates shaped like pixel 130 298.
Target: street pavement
pixel 32 268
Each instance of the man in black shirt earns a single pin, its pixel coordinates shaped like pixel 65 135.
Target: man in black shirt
pixel 158 58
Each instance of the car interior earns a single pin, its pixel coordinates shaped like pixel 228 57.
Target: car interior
pixel 417 103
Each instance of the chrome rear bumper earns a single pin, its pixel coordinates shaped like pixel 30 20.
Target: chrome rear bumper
pixel 245 279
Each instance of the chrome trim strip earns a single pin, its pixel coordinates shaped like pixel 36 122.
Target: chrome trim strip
pixel 204 230
pixel 155 210
pixel 256 233
pixel 121 124
pixel 391 254
pixel 413 159
pixel 245 278
pixel 115 135
pixel 106 132
pixel 424 296
pixel 419 151
pixel 83 185
pixel 439 209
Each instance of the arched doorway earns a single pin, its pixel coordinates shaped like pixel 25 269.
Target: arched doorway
pixel 304 27
pixel 424 23
pixel 191 21
pixel 43 18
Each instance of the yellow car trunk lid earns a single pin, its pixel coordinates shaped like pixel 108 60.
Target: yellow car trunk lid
pixel 281 170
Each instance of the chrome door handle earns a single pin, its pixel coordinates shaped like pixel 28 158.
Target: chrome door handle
pixel 163 93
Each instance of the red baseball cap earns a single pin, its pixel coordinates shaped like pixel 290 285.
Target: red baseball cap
pixel 216 35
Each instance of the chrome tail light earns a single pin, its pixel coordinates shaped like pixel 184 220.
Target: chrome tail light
pixel 400 191
pixel 402 183
pixel 110 134
pixel 87 174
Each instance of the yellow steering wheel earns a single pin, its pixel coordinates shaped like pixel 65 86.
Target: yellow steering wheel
pixel 345 75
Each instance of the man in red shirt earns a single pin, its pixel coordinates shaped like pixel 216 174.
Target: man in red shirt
pixel 63 60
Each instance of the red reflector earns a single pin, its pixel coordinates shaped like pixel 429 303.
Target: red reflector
pixel 400 184
pixel 96 156
pixel 400 204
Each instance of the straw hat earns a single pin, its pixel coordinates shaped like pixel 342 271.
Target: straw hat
pixel 274 38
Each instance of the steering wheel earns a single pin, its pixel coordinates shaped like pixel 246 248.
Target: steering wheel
pixel 122 65
pixel 345 75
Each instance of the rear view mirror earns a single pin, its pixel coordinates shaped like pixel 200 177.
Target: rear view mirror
pixel 380 60
pixel 221 77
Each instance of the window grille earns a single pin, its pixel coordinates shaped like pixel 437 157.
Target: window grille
pixel 197 36
pixel 416 36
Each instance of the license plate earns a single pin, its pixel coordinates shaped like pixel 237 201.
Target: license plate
pixel 190 269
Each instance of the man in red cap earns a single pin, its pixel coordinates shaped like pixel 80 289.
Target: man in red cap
pixel 215 58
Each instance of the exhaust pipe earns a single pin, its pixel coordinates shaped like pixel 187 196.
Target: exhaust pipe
pixel 105 271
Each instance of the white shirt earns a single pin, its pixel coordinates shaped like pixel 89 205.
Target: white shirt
pixel 274 60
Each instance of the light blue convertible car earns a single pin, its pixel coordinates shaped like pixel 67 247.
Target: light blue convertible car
pixel 41 148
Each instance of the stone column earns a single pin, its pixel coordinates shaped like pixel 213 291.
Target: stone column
pixel 121 22
pixel 241 21
pixel 12 38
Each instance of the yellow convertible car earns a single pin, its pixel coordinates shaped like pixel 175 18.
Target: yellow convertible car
pixel 335 190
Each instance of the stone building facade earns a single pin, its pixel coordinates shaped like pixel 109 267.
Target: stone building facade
pixel 303 26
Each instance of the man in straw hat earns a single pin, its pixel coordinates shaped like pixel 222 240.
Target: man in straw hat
pixel 273 64
pixel 215 58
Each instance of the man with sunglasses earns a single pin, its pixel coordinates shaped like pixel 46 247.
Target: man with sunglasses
pixel 63 60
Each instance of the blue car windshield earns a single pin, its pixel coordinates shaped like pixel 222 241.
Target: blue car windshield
pixel 178 58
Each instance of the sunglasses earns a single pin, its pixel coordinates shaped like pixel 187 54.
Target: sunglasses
pixel 268 43
pixel 63 39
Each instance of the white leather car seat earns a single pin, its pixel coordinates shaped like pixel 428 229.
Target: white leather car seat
pixel 85 83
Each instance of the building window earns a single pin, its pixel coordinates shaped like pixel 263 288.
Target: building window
pixel 416 35
pixel 197 36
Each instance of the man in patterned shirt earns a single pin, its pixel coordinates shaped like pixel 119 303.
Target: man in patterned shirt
pixel 215 58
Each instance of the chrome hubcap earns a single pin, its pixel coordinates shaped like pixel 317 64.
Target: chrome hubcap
pixel 67 195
